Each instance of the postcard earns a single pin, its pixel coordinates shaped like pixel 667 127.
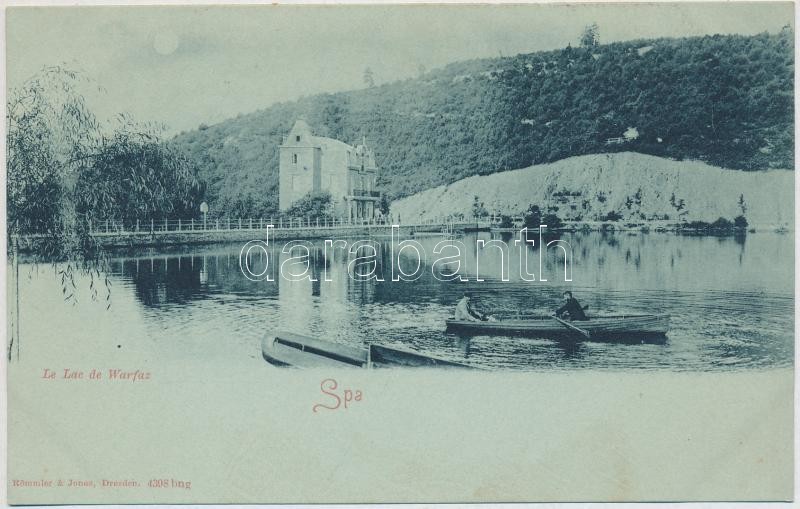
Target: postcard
pixel 400 253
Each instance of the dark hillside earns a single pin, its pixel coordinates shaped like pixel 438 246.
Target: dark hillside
pixel 724 100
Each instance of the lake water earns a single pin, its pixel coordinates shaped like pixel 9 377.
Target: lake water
pixel 730 299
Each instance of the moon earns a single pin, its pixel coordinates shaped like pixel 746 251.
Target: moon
pixel 165 43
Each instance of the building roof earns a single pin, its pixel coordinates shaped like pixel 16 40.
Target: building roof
pixel 302 129
pixel 331 143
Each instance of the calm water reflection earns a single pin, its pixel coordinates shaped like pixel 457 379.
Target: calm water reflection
pixel 731 300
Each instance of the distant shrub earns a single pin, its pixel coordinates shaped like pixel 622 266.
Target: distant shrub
pixel 722 224
pixel 678 204
pixel 506 222
pixel 740 222
pixel 312 206
pixel 532 217
pixel 552 221
pixel 697 225
pixel 611 216
pixel 384 205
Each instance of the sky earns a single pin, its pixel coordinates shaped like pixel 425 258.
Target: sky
pixel 187 65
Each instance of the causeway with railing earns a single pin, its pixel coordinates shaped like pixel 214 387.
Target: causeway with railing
pixel 118 226
pixel 154 232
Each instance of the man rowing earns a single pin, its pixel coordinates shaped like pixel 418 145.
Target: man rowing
pixel 464 311
pixel 571 309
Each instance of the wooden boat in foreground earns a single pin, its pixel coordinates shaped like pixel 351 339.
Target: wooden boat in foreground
pixel 601 328
pixel 289 349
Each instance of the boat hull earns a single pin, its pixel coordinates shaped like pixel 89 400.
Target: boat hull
pixel 607 328
pixel 389 356
pixel 286 349
pixel 294 350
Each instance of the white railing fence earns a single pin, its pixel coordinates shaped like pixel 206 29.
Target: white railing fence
pixel 118 226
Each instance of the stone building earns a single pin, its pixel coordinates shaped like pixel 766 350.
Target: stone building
pixel 311 164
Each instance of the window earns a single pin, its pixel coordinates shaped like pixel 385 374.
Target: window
pixel 297 138
pixel 294 158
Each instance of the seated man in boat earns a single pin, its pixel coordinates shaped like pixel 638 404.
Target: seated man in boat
pixel 571 310
pixel 464 311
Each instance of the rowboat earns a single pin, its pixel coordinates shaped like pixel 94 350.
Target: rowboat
pixel 295 350
pixel 601 328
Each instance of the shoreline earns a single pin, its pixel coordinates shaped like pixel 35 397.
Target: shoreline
pixel 707 229
pixel 112 240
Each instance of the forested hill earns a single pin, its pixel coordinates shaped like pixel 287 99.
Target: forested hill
pixel 724 100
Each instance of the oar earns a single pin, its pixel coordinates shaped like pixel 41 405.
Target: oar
pixel 568 325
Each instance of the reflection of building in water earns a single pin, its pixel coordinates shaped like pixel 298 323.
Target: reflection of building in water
pixel 317 304
pixel 312 164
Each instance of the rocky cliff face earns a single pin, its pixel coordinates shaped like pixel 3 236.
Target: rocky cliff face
pixel 634 186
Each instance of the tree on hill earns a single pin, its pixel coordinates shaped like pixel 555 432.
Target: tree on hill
pixel 590 37
pixel 478 208
pixel 369 78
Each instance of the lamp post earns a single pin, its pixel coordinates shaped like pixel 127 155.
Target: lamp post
pixel 204 210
